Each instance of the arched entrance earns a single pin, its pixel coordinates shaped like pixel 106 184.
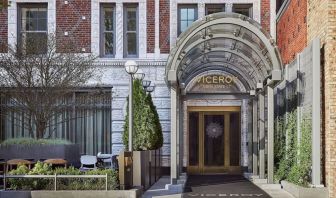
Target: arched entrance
pixel 219 73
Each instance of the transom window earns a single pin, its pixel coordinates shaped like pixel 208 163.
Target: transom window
pixel 214 8
pixel 107 30
pixel 187 14
pixel 33 27
pixel 244 9
pixel 131 30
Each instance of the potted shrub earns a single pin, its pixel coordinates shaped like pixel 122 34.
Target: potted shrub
pixel 147 138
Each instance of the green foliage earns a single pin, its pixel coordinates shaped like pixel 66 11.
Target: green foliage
pixel 62 183
pixel 292 158
pixel 32 141
pixel 147 132
pixel 158 128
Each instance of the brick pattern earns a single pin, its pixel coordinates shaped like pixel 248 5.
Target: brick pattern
pixel 75 19
pixel 3 30
pixel 292 30
pixel 321 23
pixel 265 15
pixel 164 26
pixel 150 26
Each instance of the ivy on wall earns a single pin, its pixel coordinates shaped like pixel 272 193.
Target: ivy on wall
pixel 147 131
pixel 293 158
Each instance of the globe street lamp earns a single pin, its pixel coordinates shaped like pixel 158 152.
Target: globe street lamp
pixel 139 75
pixel 131 68
pixel 150 88
pixel 146 83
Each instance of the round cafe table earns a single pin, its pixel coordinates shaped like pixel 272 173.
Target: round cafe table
pixel 16 162
pixel 58 162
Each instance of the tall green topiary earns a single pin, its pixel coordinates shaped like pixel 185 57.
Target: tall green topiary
pixel 145 118
pixel 158 128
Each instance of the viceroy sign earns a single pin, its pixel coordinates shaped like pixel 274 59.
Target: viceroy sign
pixel 216 79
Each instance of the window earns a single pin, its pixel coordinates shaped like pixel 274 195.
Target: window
pixel 131 30
pixel 214 8
pixel 187 14
pixel 244 9
pixel 33 27
pixel 107 36
pixel 85 119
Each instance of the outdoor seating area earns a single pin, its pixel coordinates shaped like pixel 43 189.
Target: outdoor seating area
pixel 87 162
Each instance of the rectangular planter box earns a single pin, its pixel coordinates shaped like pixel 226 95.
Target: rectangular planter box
pixel 302 192
pixel 134 193
pixel 141 169
pixel 70 152
pixel 146 168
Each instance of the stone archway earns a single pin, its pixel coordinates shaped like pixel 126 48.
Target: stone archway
pixel 234 44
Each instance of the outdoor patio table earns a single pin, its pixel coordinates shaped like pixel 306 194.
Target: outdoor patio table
pixel 16 162
pixel 56 162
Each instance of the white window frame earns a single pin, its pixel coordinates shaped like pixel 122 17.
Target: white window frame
pixel 103 31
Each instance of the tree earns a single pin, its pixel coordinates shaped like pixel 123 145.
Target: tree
pixel 158 128
pixel 38 78
pixel 145 128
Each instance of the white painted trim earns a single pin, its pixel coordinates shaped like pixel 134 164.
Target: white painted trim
pixel 13 20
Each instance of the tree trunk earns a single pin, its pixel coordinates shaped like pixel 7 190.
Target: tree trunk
pixel 40 129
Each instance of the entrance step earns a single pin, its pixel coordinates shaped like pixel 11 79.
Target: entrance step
pixel 271 186
pixel 259 181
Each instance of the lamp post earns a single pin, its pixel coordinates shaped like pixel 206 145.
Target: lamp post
pixel 131 68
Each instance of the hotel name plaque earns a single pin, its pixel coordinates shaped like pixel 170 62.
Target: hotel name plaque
pixel 215 83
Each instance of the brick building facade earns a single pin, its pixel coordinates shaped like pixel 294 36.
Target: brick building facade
pixel 156 31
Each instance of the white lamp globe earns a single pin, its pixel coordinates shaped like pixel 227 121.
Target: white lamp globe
pixel 139 75
pixel 131 67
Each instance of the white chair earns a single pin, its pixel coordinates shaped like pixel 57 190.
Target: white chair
pixel 88 160
pixel 105 158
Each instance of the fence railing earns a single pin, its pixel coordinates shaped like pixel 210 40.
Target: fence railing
pixel 55 177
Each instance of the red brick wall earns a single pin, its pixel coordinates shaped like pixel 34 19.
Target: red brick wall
pixel 265 15
pixel 150 26
pixel 292 30
pixel 164 26
pixel 69 19
pixel 3 30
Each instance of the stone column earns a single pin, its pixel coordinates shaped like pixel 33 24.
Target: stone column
pixel 255 136
pixel 261 135
pixel 228 7
pixel 270 134
pixel 201 10
pixel 173 133
pixel 120 31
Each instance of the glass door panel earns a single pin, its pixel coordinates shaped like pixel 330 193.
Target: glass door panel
pixel 193 138
pixel 213 140
pixel 234 138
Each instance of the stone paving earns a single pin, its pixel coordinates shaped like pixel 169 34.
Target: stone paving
pixel 217 186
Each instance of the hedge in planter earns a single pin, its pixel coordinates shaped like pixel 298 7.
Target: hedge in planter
pixel 147 132
pixel 62 183
pixel 293 158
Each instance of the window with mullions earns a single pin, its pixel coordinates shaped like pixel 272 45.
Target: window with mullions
pixel 244 9
pixel 33 27
pixel 187 14
pixel 214 8
pixel 107 36
pixel 131 30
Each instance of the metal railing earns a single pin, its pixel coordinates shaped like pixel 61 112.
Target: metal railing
pixel 55 177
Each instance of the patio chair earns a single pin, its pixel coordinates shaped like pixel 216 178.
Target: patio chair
pixel 104 159
pixel 88 162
